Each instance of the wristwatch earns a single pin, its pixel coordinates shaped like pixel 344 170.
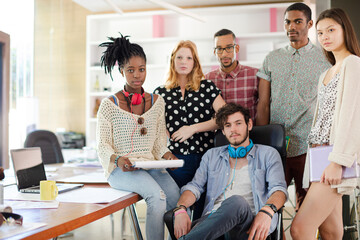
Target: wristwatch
pixel 179 207
pixel 272 206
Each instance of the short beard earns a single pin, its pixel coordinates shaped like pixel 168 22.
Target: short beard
pixel 293 40
pixel 227 66
pixel 237 144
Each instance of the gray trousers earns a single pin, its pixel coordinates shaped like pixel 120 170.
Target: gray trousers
pixel 233 217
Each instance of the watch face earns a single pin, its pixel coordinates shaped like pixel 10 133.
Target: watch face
pixel 272 206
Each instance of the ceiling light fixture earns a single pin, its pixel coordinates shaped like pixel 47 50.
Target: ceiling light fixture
pixel 177 9
pixel 113 6
pixel 162 4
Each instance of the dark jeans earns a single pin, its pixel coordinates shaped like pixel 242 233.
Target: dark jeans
pixel 294 168
pixel 185 174
pixel 233 217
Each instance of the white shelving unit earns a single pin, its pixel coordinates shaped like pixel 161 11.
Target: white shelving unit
pixel 159 31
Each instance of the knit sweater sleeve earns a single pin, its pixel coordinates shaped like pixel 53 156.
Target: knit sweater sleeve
pixel 160 144
pixel 104 135
pixel 346 134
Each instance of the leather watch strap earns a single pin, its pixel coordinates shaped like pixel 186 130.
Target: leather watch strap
pixel 272 206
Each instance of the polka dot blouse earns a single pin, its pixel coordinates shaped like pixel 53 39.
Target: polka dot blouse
pixel 195 107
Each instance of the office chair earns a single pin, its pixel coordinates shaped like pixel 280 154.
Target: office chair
pixel 272 135
pixel 49 144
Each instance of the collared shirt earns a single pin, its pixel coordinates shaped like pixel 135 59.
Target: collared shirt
pixel 240 86
pixel 294 74
pixel 265 170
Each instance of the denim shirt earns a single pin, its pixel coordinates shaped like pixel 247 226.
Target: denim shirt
pixel 265 170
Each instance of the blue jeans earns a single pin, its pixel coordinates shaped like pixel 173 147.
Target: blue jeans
pixel 233 217
pixel 156 187
pixel 185 174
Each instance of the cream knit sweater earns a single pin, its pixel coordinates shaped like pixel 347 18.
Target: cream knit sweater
pixel 115 127
pixel 345 129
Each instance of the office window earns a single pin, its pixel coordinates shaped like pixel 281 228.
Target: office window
pixel 17 20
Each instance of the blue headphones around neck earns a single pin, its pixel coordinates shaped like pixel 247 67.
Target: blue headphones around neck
pixel 240 152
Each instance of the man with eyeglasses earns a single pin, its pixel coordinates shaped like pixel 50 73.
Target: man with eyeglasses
pixel 238 83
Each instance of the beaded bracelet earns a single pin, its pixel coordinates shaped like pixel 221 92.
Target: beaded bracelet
pixel 178 212
pixel 116 160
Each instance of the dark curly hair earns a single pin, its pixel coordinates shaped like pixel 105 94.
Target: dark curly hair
pixel 228 109
pixel 119 50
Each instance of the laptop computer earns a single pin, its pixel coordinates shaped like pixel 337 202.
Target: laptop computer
pixel 319 160
pixel 29 171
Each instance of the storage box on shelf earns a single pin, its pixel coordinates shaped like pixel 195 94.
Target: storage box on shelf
pixel 159 31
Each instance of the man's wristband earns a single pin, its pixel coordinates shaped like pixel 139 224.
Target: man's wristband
pixel 266 212
pixel 272 206
pixel 182 206
pixel 179 207
pixel 178 212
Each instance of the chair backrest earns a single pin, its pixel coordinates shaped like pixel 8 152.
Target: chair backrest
pixel 48 143
pixel 272 135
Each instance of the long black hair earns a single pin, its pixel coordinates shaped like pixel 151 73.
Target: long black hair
pixel 119 50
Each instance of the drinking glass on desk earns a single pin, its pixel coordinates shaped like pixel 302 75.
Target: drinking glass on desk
pixel 90 154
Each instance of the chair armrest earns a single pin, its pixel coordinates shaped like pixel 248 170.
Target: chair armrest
pixel 169 222
pixel 277 234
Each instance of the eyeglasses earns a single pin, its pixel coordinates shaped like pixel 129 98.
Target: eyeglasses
pixel 228 49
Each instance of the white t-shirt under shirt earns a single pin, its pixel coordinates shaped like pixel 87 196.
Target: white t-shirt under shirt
pixel 241 185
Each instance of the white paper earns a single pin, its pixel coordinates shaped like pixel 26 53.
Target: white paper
pixel 12 193
pixel 89 165
pixel 50 168
pixel 11 230
pixel 83 164
pixel 81 195
pixel 92 195
pixel 159 164
pixel 8 181
pixel 94 177
pixel 32 204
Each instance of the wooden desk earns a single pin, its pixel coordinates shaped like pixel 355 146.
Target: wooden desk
pixel 69 216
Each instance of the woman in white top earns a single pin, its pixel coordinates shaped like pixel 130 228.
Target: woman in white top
pixel 337 123
pixel 131 126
